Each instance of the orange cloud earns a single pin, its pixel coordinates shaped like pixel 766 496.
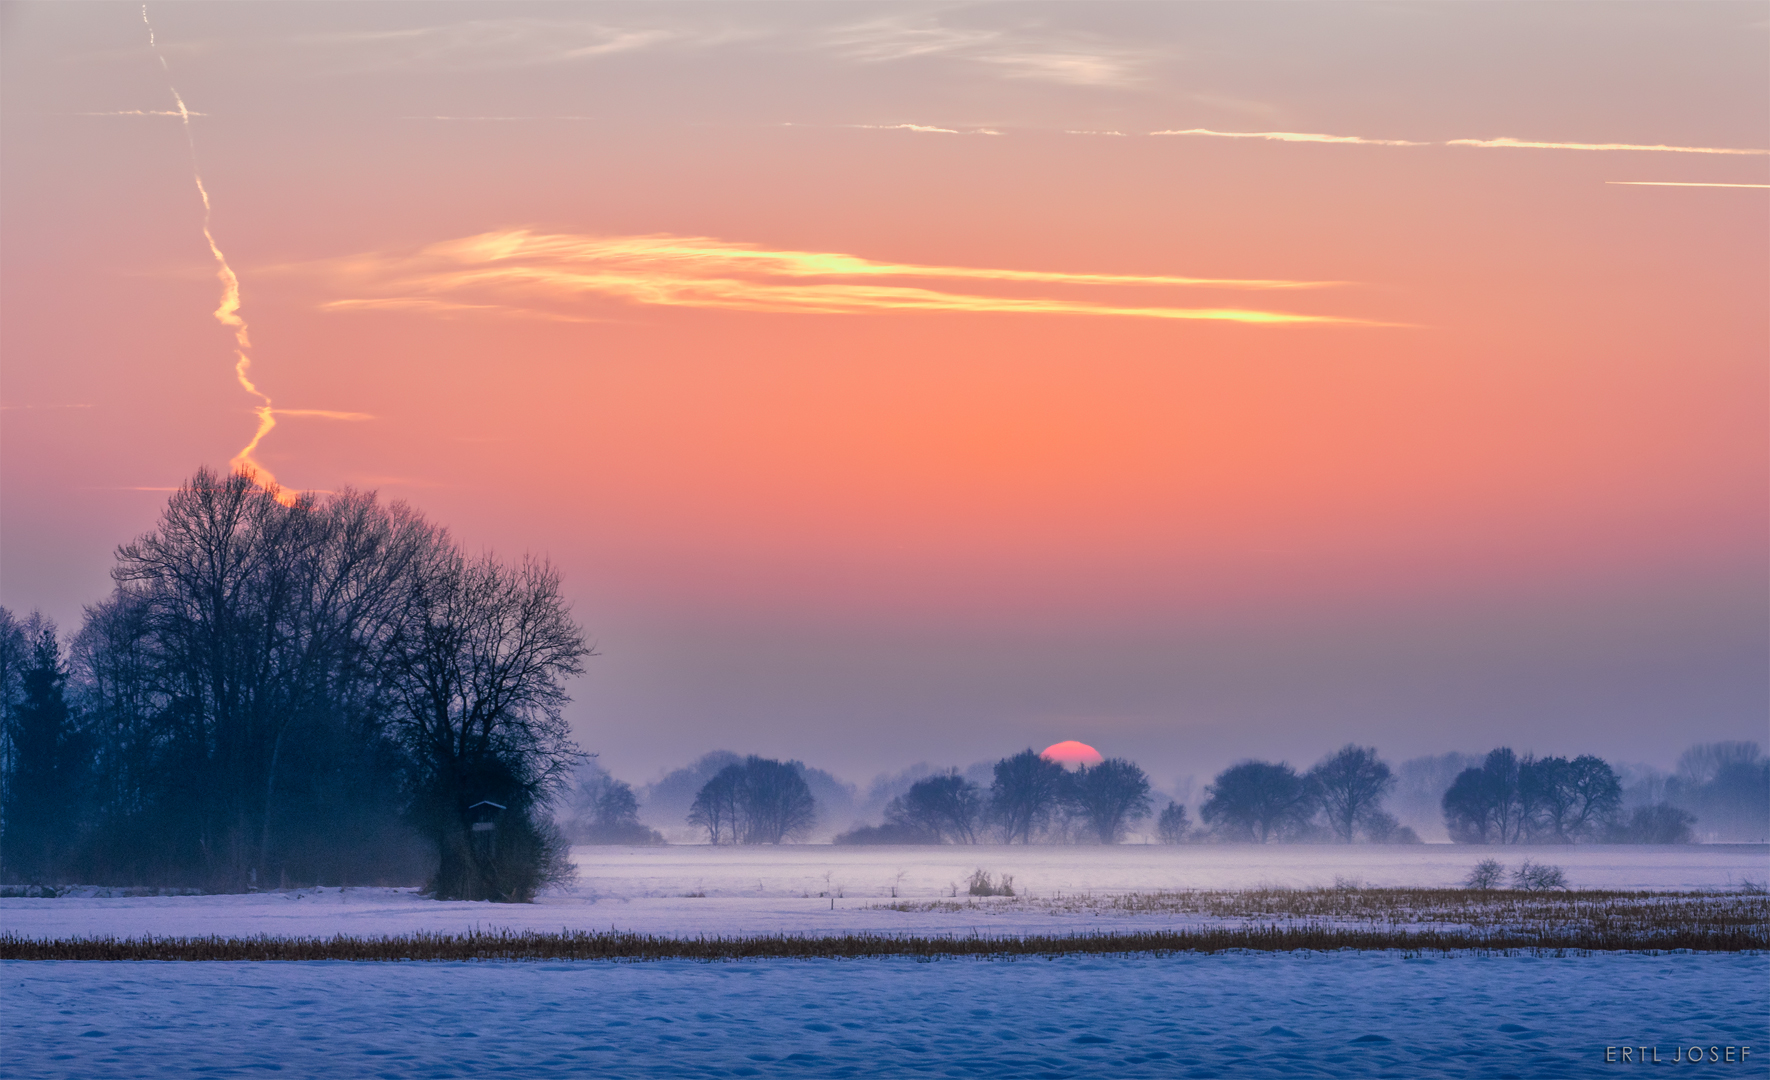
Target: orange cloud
pixel 494 268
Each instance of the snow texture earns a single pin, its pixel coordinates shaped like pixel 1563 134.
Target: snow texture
pixel 1240 1015
pixel 814 889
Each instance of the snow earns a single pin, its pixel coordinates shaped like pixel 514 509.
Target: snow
pixel 1243 1015
pixel 789 889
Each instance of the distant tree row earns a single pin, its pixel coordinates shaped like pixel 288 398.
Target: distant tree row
pixel 1030 798
pixel 1505 799
pixel 1509 799
pixel 755 801
pixel 322 690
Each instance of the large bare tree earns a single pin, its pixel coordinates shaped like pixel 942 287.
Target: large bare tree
pixel 1351 784
pixel 483 656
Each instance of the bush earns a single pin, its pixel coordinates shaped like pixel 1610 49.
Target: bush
pixel 888 833
pixel 1485 875
pixel 981 885
pixel 1661 823
pixel 1536 877
pixel 1172 826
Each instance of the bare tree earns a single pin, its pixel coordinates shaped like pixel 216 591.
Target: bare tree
pixel 1351 784
pixel 1110 796
pixel 1027 792
pixel 776 801
pixel 1661 823
pixel 944 808
pixel 1568 800
pixel 1172 826
pixel 1258 800
pixel 484 651
pixel 756 801
pixel 1485 805
pixel 716 805
pixel 603 810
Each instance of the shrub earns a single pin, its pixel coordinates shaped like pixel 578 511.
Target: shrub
pixel 888 833
pixel 1661 823
pixel 1486 875
pixel 1172 826
pixel 981 885
pixel 1536 877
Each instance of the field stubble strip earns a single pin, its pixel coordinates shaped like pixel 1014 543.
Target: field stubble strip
pixel 1608 914
pixel 618 946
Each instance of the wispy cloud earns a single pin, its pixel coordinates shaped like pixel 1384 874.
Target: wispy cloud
pixel 1502 143
pixel 324 414
pixel 445 308
pixel 1026 52
pixel 1679 183
pixel 498 118
pixel 1293 136
pixel 926 128
pixel 528 270
pixel 494 44
pixel 1520 144
pixel 145 112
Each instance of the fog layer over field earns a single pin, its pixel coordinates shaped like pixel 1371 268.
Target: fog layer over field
pixel 825 890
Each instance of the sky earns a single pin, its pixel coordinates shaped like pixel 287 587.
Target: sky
pixel 900 383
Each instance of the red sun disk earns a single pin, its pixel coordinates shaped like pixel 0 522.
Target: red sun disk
pixel 1072 754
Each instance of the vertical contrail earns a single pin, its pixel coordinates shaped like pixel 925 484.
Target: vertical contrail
pixel 228 313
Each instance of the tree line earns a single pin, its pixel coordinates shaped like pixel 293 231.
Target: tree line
pixel 1030 799
pixel 310 689
pixel 1507 799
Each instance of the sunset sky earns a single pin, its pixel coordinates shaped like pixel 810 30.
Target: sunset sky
pixel 926 382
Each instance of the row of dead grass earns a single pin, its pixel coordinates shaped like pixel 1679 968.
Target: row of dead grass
pixel 581 945
pixel 1606 913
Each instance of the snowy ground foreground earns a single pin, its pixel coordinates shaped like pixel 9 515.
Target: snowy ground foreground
pixel 1235 1015
pixel 790 889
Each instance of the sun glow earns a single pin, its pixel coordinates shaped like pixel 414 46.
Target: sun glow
pixel 1072 754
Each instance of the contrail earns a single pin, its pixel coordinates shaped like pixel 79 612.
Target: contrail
pixel 1293 136
pixel 1506 143
pixel 228 313
pixel 141 112
pixel 1677 183
pixel 1501 143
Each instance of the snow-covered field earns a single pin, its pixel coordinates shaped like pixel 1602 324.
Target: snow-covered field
pixel 1239 1015
pixel 1244 1015
pixel 824 889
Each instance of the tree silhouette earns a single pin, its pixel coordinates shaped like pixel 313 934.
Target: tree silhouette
pixel 1026 793
pixel 1351 784
pixel 1110 796
pixel 1258 800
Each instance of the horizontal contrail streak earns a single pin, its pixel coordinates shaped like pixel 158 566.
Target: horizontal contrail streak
pixel 145 112
pixel 1293 136
pixel 1678 183
pixel 1502 143
pixel 493 117
pixel 910 127
pixel 1505 143
pixel 675 271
